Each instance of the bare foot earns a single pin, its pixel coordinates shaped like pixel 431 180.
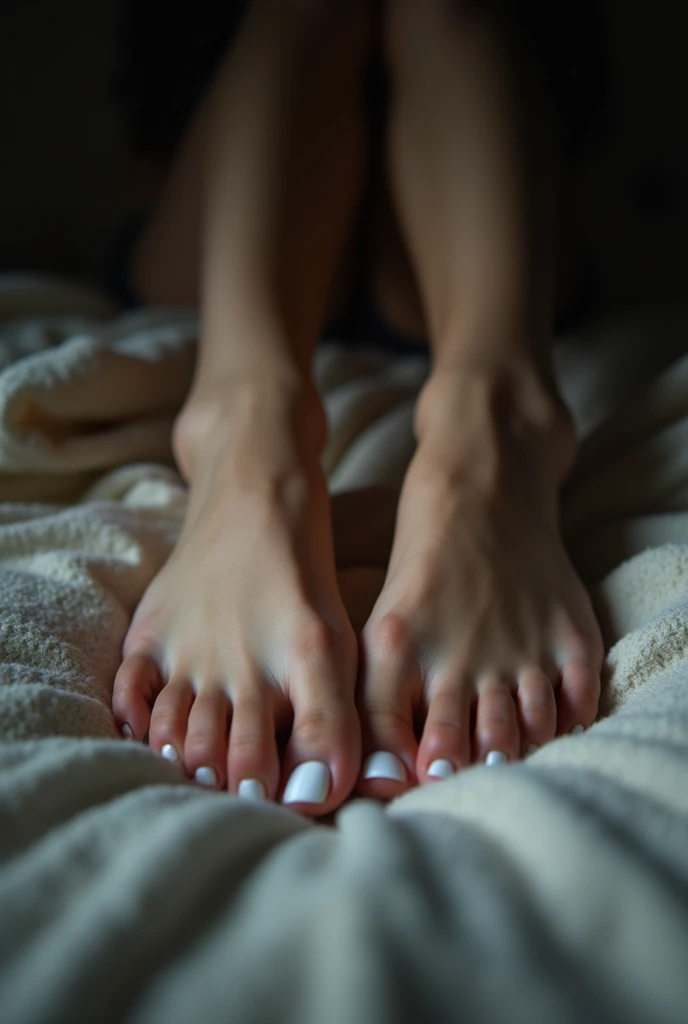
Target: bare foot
pixel 483 640
pixel 243 635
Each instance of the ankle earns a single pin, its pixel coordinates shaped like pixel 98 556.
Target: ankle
pixel 463 415
pixel 278 421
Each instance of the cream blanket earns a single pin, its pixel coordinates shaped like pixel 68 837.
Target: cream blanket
pixel 555 890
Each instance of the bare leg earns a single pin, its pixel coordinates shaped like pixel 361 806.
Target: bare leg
pixel 483 636
pixel 243 634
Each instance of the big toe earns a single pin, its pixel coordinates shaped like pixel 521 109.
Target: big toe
pixel 392 678
pixel 323 754
pixel 137 684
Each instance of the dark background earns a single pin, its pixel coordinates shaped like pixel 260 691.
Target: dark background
pixel 63 152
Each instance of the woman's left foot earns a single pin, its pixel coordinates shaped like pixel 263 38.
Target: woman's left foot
pixel 483 641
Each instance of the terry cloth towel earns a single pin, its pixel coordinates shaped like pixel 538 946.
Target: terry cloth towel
pixel 553 890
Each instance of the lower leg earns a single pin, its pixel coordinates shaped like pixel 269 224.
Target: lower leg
pixel 471 171
pixel 243 633
pixel 257 79
pixel 481 613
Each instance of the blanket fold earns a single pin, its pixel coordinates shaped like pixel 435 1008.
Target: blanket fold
pixel 551 890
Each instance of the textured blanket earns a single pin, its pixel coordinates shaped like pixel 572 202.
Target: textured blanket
pixel 553 890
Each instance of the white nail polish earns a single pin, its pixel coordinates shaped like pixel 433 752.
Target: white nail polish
pixel 169 753
pixel 577 730
pixel 495 757
pixel 532 749
pixel 383 765
pixel 127 732
pixel 441 769
pixel 308 784
pixel 251 789
pixel 205 776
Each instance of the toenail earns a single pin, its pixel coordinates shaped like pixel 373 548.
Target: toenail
pixel 251 789
pixel 127 732
pixel 308 784
pixel 577 730
pixel 532 749
pixel 206 776
pixel 495 757
pixel 169 753
pixel 383 765
pixel 441 769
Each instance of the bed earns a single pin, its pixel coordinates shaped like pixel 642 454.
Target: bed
pixel 555 889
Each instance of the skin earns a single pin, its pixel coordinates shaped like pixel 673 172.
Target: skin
pixel 478 635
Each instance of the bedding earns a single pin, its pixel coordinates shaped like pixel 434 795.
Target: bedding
pixel 550 890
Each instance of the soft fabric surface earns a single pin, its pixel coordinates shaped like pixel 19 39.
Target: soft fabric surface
pixel 551 890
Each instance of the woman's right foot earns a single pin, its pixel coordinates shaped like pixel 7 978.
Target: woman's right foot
pixel 243 635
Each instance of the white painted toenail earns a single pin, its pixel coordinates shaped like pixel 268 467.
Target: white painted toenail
pixel 308 784
pixel 205 776
pixel 495 757
pixel 577 730
pixel 441 769
pixel 169 753
pixel 383 765
pixel 127 732
pixel 251 789
pixel 532 749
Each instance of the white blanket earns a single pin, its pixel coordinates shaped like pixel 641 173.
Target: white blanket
pixel 555 890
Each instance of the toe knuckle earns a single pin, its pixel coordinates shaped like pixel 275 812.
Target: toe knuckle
pixel 392 636
pixel 540 707
pixel 120 698
pixel 314 641
pixel 498 719
pixel 316 722
pixel 384 712
pixel 164 722
pixel 538 718
pixel 447 724
pixel 591 694
pixel 246 741
pixel 583 679
pixel 125 685
pixel 586 645
pixel 250 707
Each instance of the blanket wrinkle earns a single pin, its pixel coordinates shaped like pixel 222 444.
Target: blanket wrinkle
pixel 127 893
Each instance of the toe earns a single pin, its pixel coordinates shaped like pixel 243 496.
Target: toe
pixel 390 749
pixel 253 764
pixel 392 680
pixel 169 720
pixel 322 756
pixel 445 744
pixel 496 725
pixel 205 747
pixel 537 708
pixel 137 684
pixel 579 695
